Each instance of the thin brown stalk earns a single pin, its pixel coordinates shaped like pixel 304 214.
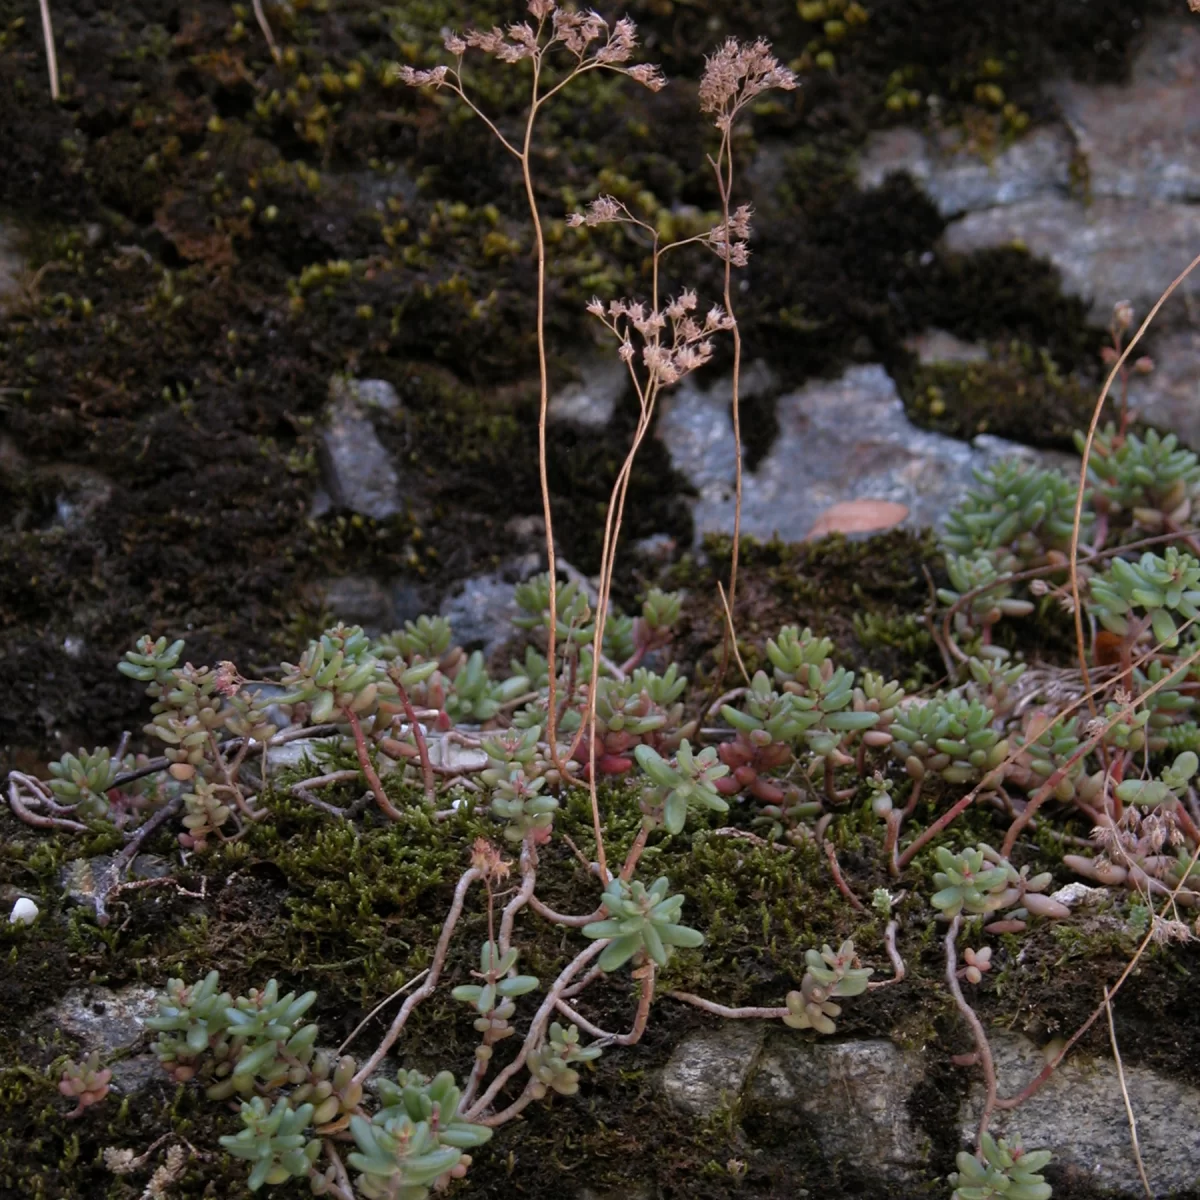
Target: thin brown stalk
pixel 1133 1131
pixel 419 736
pixel 368 768
pixel 381 1005
pixel 431 980
pixel 51 54
pixel 889 941
pixel 1080 647
pixel 842 886
pixel 261 17
pixel 729 1014
pixel 983 1050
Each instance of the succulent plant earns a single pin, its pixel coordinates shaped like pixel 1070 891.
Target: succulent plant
pixel 274 1141
pixel 83 780
pixel 687 780
pixel 1018 515
pixel 520 801
pixel 328 1085
pixel 436 1101
pixel 640 921
pixel 1166 789
pixel 84 1082
pixel 498 984
pixel 969 572
pixel 968 882
pixel 1004 1171
pixel 1153 479
pixel 204 816
pixel 1158 585
pixel 551 1063
pixel 949 736
pixel 828 973
pixel 574 613
pixel 340 672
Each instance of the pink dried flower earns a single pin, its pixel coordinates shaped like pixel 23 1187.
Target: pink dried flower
pixel 454 42
pixel 648 76
pixel 622 42
pixel 414 78
pixel 626 351
pixel 735 74
pixel 541 9
pixel 490 41
pixel 596 306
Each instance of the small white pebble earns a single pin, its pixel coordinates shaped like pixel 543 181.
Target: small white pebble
pixel 24 912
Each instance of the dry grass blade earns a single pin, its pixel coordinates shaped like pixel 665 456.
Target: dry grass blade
pixel 1133 1133
pixel 51 55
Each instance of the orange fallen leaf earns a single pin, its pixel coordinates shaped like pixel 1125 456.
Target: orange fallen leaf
pixel 858 516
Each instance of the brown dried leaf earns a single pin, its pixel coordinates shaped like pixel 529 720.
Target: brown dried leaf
pixel 858 516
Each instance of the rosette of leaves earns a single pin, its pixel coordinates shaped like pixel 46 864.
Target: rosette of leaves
pixel 329 1086
pixel 1158 586
pixel 552 1063
pixel 1153 479
pixel 1004 1171
pixel 493 998
pixel 768 726
pixel 427 638
pixel 968 572
pixel 1018 515
pixel 519 801
pixel 84 1082
pixel 828 974
pixel 473 696
pixel 628 640
pixel 274 1141
pixel 969 882
pixel 83 780
pixel 574 613
pixel 266 1040
pixel 641 921
pixel 151 662
pixel 204 816
pixel 1128 731
pixel 794 651
pixel 643 709
pixel 1045 745
pixel 191 1021
pixel 401 1158
pixel 339 673
pixel 949 736
pixel 436 1101
pixel 687 780
pixel 875 694
pixel 993 682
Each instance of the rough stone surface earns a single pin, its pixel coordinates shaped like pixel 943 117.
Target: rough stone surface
pixel 370 393
pixel 359 474
pixel 1080 1116
pixel 481 613
pixel 848 439
pixel 959 182
pixel 111 1023
pixel 853 1096
pixel 12 264
pixel 710 1068
pixel 1169 396
pixel 1141 140
pixel 1109 250
pixel 358 600
pixel 592 399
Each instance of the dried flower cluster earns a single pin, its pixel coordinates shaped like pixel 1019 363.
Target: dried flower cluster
pixel 585 35
pixel 737 73
pixel 690 345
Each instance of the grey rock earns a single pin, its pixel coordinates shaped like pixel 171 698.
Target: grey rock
pixel 481 613
pixel 960 182
pixel 78 877
pixel 1109 250
pixel 369 393
pixel 357 600
pixel 658 549
pixel 294 753
pixel 838 440
pixel 13 265
pixel 936 346
pixel 1169 396
pixel 591 400
pixel 1141 140
pixel 101 1019
pixel 852 1095
pixel 409 601
pixel 709 1069
pixel 359 474
pixel 1079 1115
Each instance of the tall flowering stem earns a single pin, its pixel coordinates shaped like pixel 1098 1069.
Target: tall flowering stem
pixel 732 78
pixel 584 42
